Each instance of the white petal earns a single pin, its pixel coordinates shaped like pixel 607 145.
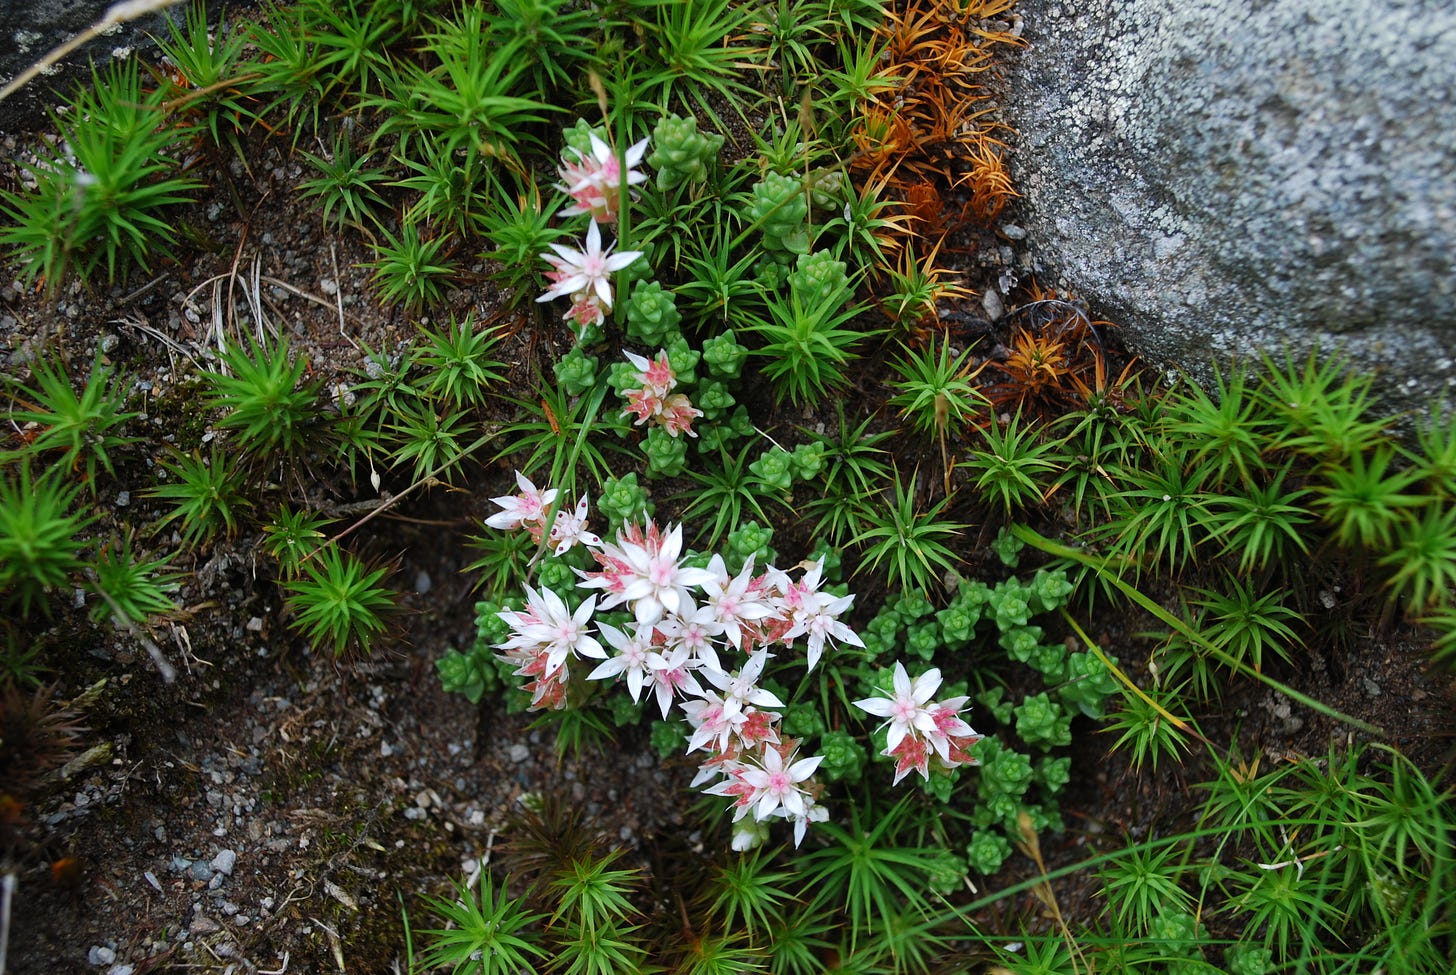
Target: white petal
pixel 926 685
pixel 804 767
pixel 622 260
pixel 880 707
pixel 894 736
pixel 607 668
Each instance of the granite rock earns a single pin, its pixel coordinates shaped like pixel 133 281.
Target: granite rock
pixel 1226 176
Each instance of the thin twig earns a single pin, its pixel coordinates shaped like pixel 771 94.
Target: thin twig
pixel 232 274
pixel 148 329
pixel 339 295
pixel 255 300
pixel 128 298
pixel 164 667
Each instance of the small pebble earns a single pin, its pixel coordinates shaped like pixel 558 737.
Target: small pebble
pixel 519 753
pixel 121 969
pixel 152 880
pixel 200 871
pixel 224 862
pixel 100 955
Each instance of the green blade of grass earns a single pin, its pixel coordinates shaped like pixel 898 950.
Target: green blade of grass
pixel 1057 550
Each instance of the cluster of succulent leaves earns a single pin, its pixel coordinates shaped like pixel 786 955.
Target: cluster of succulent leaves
pixel 780 266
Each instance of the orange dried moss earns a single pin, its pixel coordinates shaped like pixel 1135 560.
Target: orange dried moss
pixel 1056 362
pixel 931 141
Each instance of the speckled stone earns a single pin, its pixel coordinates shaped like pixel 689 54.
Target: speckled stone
pixel 1228 175
pixel 29 29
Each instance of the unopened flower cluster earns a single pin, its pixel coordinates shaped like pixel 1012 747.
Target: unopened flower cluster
pixel 653 398
pixel 699 640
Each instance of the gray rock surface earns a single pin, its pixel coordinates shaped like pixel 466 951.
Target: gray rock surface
pixel 29 29
pixel 1221 176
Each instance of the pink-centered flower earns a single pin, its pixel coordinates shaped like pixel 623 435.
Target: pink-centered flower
pixel 642 569
pixel 905 708
pixel 586 273
pixel 677 415
pixel 570 529
pixel 549 626
pixel 743 686
pixel 525 509
pixel 736 602
pixel 922 730
pixel 630 661
pixel 672 676
pixel 595 181
pixel 776 783
pixel 816 615
pixel 693 629
pixel 714 718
